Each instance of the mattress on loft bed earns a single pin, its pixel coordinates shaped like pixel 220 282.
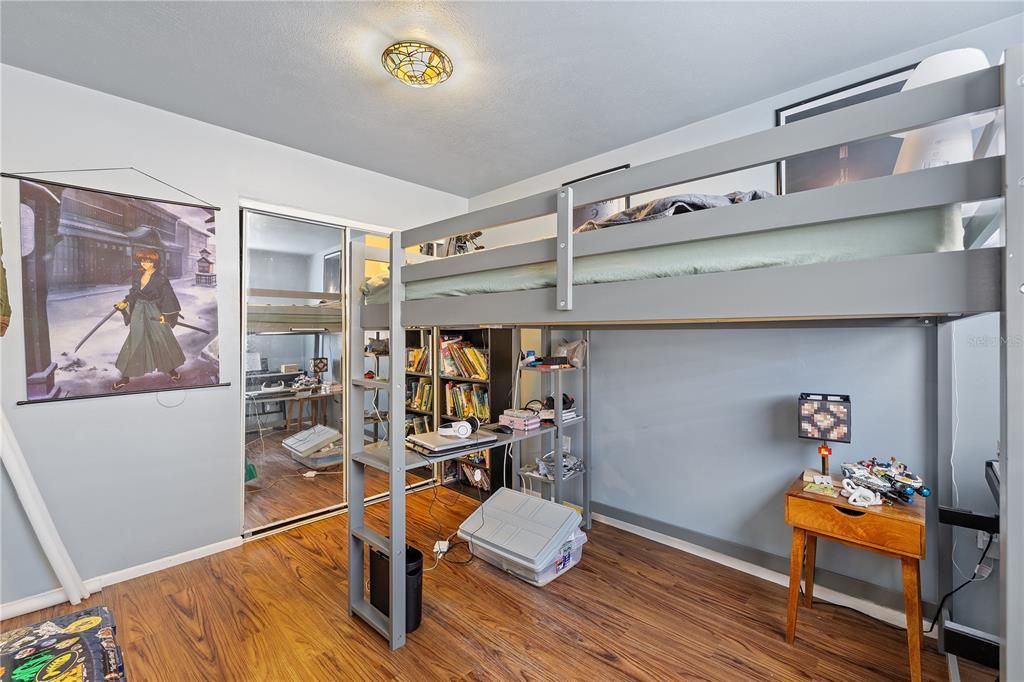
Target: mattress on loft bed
pixel 894 234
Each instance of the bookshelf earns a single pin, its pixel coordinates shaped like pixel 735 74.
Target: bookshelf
pixel 573 487
pixel 475 375
pixel 420 381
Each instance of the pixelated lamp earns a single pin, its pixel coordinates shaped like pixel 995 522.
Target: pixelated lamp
pixel 825 417
pixel 318 366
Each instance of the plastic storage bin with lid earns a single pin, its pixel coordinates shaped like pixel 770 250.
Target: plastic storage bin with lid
pixel 533 539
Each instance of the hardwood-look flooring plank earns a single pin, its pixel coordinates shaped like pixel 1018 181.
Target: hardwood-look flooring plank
pixel 275 610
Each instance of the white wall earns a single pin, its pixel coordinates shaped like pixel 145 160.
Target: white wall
pixel 659 395
pixel 127 480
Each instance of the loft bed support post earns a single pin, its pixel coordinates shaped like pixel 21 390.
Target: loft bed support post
pixel 563 252
pixel 546 390
pixel 1011 458
pixel 586 448
pixel 353 398
pixel 941 341
pixel 396 429
pixel 517 387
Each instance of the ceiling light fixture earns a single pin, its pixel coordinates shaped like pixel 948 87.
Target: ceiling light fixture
pixel 417 64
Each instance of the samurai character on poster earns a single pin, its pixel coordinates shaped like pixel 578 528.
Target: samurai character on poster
pixel 119 293
pixel 150 312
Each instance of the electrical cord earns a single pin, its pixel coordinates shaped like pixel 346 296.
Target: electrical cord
pixel 952 450
pixel 443 556
pixel 938 609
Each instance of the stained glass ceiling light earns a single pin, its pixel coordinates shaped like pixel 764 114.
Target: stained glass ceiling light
pixel 417 64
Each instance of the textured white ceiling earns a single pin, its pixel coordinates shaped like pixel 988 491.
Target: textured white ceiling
pixel 536 86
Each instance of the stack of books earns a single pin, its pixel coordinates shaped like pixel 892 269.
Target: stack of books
pixel 520 420
pixel 421 398
pixel 553 362
pixel 569 414
pixel 465 400
pixel 462 359
pixel 418 360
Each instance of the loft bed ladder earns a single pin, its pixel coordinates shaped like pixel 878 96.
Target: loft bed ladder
pixel 388 457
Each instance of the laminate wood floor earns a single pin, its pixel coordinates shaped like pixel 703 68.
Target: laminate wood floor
pixel 280 492
pixel 274 609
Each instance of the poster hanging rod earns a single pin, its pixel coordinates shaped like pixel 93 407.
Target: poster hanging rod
pixel 28 175
pixel 118 395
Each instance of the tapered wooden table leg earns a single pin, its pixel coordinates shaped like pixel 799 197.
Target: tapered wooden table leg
pixel 912 599
pixel 812 546
pixel 796 560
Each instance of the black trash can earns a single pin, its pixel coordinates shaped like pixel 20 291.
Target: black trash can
pixel 380 594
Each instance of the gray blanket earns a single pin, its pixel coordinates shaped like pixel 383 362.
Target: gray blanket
pixel 672 205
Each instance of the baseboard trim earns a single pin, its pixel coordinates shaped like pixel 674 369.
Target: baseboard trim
pixel 868 608
pixel 43 600
pixel 50 598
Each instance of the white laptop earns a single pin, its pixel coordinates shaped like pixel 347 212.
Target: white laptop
pixel 435 442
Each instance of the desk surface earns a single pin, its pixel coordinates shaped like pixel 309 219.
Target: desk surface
pixel 904 512
pixel 377 454
pixel 290 395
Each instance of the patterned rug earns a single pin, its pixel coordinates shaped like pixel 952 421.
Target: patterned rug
pixel 79 647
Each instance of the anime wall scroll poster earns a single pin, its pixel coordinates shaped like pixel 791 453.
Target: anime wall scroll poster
pixel 119 293
pixel 5 301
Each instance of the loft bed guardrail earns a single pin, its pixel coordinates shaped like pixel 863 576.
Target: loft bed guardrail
pixel 950 283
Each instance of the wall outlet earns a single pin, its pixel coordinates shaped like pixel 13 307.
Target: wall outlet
pixel 993 551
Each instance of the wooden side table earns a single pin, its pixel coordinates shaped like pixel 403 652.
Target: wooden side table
pixel 314 401
pixel 896 531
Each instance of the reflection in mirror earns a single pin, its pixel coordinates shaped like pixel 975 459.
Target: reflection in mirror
pixel 293 368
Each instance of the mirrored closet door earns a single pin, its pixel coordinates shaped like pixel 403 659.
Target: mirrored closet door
pixel 293 365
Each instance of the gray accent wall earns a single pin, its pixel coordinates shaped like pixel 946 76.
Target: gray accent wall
pixel 696 428
pixel 976 418
pixel 694 436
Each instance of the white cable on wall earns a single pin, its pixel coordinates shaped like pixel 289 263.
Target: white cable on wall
pixel 952 462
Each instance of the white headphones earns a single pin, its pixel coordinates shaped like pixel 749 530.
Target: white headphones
pixel 460 429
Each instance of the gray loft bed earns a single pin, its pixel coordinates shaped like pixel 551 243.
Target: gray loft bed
pixel 927 285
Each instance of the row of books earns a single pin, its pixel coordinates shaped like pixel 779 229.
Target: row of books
pixel 420 396
pixel 418 424
pixel 462 358
pixel 464 400
pixel 417 360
